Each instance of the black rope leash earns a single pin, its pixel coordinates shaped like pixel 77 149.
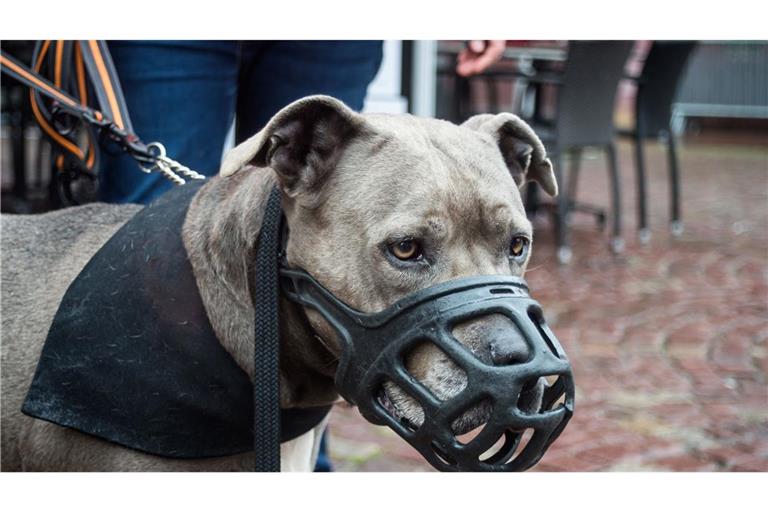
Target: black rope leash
pixel 266 387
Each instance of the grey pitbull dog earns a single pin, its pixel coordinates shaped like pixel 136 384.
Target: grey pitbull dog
pixel 378 206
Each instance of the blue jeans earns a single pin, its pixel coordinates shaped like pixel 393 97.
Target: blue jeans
pixel 185 94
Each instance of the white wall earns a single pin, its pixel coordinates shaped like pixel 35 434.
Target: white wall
pixel 384 92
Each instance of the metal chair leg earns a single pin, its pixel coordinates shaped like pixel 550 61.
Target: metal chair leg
pixel 573 180
pixel 644 234
pixel 564 252
pixel 617 242
pixel 676 222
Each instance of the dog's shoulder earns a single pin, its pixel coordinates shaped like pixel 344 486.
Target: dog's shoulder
pixel 64 224
pixel 50 249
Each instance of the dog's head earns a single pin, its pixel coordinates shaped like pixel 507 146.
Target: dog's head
pixel 380 206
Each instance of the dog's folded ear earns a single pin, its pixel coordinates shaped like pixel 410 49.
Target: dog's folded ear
pixel 522 150
pixel 301 143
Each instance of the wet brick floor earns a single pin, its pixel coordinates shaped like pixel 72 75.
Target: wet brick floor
pixel 669 341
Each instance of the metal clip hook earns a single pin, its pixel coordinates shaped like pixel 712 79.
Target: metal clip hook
pixel 168 167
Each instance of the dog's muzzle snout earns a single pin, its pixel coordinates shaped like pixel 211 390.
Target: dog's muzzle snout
pixel 518 378
pixel 494 338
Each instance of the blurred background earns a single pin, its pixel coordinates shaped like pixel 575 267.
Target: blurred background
pixel 651 263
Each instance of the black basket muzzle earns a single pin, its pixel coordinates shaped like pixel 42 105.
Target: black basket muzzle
pixel 374 347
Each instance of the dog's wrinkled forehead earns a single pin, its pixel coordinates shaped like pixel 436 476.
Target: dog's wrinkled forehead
pixel 408 166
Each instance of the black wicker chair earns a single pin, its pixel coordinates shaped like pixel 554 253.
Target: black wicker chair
pixel 586 91
pixel 657 88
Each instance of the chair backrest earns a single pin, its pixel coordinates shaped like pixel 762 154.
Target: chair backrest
pixel 659 81
pixel 586 97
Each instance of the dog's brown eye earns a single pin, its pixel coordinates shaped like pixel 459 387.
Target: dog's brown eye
pixel 406 250
pixel 518 246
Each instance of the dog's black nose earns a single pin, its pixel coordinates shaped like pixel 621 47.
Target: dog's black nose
pixel 495 339
pixel 507 346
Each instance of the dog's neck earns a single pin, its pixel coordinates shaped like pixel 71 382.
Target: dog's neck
pixel 220 235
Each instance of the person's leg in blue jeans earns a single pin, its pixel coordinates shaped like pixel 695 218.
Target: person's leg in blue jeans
pixel 274 74
pixel 179 93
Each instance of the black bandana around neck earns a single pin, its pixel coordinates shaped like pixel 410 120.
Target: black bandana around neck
pixel 131 356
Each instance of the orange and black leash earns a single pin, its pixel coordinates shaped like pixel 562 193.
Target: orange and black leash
pixel 86 68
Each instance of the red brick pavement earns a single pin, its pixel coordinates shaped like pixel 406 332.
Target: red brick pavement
pixel 669 342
